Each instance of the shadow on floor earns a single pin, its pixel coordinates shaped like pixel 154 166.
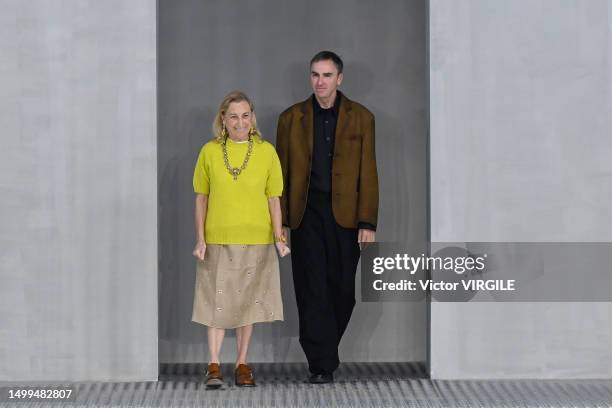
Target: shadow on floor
pixel 297 372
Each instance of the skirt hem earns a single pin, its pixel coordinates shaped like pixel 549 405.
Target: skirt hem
pixel 238 325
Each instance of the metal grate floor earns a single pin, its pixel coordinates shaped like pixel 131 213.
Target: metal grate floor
pixel 356 385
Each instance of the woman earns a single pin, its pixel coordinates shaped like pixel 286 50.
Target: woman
pixel 238 182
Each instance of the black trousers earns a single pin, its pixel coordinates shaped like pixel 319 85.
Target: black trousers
pixel 324 260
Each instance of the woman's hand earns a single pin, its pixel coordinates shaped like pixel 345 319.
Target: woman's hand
pixel 200 250
pixel 282 249
pixel 285 234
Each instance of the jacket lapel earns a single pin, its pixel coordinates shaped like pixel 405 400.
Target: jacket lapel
pixel 307 124
pixel 345 113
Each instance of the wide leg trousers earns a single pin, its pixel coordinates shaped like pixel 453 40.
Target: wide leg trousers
pixel 324 260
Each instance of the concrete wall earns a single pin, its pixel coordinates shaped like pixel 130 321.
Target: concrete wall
pixel 78 236
pixel 207 49
pixel 521 112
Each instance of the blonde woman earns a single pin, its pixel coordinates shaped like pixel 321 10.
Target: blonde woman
pixel 238 182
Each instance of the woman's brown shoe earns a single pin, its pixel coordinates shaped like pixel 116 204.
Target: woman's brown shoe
pixel 214 378
pixel 244 376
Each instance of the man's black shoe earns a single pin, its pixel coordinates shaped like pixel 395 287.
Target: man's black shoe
pixel 321 378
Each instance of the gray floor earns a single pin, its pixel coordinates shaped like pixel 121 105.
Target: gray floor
pixel 356 385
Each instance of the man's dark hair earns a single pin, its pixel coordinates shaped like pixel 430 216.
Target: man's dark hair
pixel 328 55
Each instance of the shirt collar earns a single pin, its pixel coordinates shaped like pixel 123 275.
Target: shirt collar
pixel 334 109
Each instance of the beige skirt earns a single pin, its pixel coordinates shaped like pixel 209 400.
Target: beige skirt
pixel 237 285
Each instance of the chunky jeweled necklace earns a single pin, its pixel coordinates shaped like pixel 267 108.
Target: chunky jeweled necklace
pixel 235 171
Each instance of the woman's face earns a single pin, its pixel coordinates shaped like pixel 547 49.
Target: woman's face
pixel 238 120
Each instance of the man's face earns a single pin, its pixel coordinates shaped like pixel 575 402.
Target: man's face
pixel 324 78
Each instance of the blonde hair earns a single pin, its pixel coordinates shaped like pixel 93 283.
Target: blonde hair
pixel 234 96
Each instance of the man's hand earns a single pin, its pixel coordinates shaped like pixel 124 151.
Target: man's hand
pixel 200 250
pixel 365 236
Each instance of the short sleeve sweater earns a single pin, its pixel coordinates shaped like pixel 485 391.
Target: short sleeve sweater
pixel 238 209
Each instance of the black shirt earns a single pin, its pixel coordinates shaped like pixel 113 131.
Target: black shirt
pixel 325 121
pixel 323 144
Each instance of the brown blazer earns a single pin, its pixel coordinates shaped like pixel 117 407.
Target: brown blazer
pixel 354 175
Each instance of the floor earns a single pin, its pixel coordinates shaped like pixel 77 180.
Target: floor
pixel 356 385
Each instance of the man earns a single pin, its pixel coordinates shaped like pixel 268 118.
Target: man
pixel 330 203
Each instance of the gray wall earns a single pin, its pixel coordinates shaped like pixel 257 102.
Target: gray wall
pixel 207 49
pixel 521 112
pixel 520 105
pixel 78 235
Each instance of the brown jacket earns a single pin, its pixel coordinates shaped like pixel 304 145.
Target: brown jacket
pixel 354 176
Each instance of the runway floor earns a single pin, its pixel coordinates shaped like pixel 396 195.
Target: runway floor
pixel 356 385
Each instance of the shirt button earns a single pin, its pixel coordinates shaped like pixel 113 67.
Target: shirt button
pixel 330 155
pixel 327 138
pixel 326 121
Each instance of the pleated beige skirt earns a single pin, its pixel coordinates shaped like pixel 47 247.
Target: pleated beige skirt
pixel 237 285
